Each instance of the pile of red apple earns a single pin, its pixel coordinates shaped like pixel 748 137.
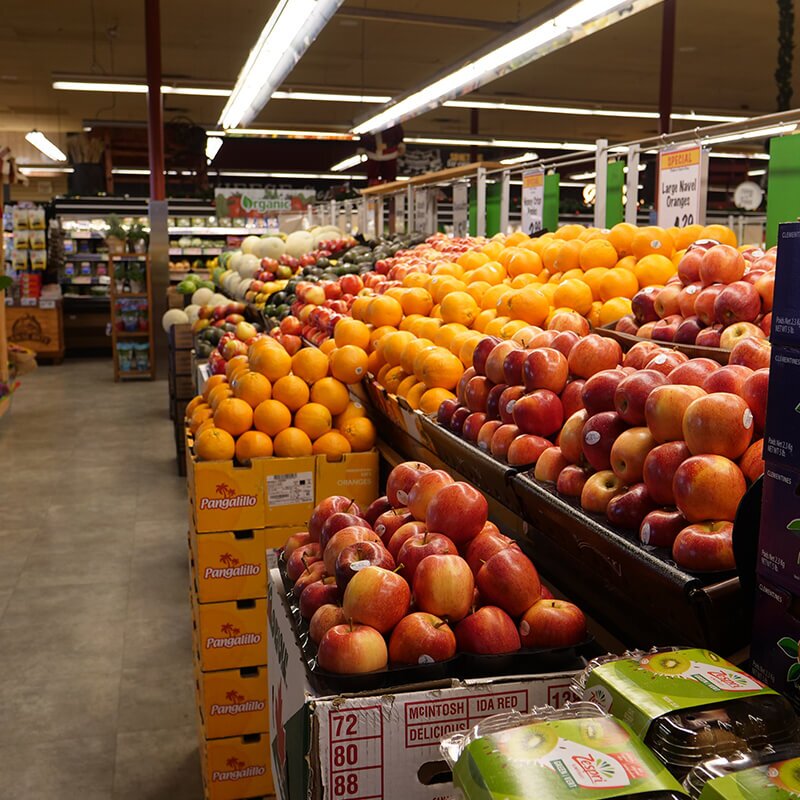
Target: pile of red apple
pixel 719 297
pixel 418 577
pixel 654 441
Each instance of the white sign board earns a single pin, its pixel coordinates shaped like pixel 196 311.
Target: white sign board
pixel 682 186
pixel 423 211
pixel 532 200
pixel 460 209
pixel 748 195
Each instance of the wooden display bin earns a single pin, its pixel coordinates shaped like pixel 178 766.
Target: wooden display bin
pixel 40 329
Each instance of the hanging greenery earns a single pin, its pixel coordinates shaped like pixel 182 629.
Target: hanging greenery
pixel 783 72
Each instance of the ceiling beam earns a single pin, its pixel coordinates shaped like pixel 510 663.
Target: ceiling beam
pixel 410 18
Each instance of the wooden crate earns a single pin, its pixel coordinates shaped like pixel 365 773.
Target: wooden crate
pixel 40 329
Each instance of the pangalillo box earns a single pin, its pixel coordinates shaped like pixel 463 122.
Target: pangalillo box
pixel 779 534
pixel 382 745
pixel 232 702
pixel 786 306
pixel 782 430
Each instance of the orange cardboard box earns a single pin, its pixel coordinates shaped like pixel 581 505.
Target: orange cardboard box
pixel 236 767
pixel 233 702
pixel 353 475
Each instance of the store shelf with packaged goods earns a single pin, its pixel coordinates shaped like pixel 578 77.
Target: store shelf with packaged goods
pixel 132 346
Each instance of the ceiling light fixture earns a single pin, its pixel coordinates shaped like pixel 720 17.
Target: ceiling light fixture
pixel 280 133
pixel 322 176
pixel 548 34
pixel 519 159
pixel 758 133
pixel 288 33
pixel 349 162
pixel 756 172
pixel 332 97
pixel 213 144
pixel 43 169
pixel 757 156
pixel 44 145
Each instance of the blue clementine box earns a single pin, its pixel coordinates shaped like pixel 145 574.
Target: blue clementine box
pixel 782 428
pixel 786 305
pixel 779 537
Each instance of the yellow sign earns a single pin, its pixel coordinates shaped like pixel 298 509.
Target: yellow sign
pixel 677 159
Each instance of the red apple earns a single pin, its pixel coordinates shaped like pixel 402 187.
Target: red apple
pixel 693 372
pixel 539 413
pixel 766 324
pixel 564 343
pixel 318 594
pixel 721 264
pixel 401 479
pixel 599 433
pixel 526 449
pixel 356 557
pixel 704 303
pixel 294 541
pixel 341 539
pixel 461 387
pixel 483 547
pixel 730 378
pixel 507 402
pixel 493 401
pixel 752 462
pixel 459 511
pixel 643 304
pixel 687 331
pixel 666 362
pixel 627 324
pixel 388 522
pixel 419 546
pixel 376 597
pixel 738 332
pixel 570 439
pixel 709 337
pixel 502 439
pixel 665 408
pixel 627 510
pixel 705 546
pixel 569 321
pixel 708 487
pixel 512 367
pixel 571 480
pixel 486 433
pixel 550 465
pixel 476 393
pixel 444 586
pixel 571 397
pixel 313 572
pixel 660 527
pixel 325 617
pixel 352 650
pixel 687 299
pixel 628 453
pixel 552 623
pixel 376 508
pixel 640 354
pixel 666 302
pixel 593 354
pixel 598 391
pixel 545 368
pixel 737 302
pixel 509 580
pixel 665 329
pixel 659 470
pixel 421 638
pixel 327 508
pixel 689 266
pixel 496 360
pixel 646 331
pixel 445 413
pixel 718 424
pixel 403 533
pixel 543 339
pixel 487 631
pixel 598 491
pixel 336 522
pixel 752 351
pixel 425 489
pixel 632 393
pixel 481 353
pixel 754 392
pixel 301 558
pixel 765 286
pixel 524 335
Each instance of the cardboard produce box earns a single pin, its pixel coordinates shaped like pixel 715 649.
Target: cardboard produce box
pixel 782 429
pixel 232 565
pixel 232 702
pixel 779 536
pixel 383 745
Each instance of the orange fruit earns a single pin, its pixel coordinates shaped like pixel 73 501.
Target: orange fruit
pixel 219 393
pixel 459 339
pixel 449 268
pixel 237 362
pixel 393 345
pixel 628 262
pixel 614 309
pixel 492 249
pixel 483 319
pixel 209 423
pixel 538 244
pixel 441 368
pixel 598 253
pixel 722 233
pixel 472 259
pixel 234 415
pixel 569 231
pixel 459 307
pixel 414 395
pixel 510 328
pixel 573 294
pixel 492 296
pixel 431 399
pixel 592 278
pixel 416 301
pixel 517 238
pixel 272 362
pixel 351 331
pixel 378 334
pixel 330 393
pixel 349 364
pixel 415 280
pixel 331 443
pixel 360 432
pixel 252 387
pixel 652 241
pixel 310 364
pixel 292 443
pixel 359 308
pixel 496 325
pixel 375 362
pixel 214 380
pixel 407 324
pixel 327 347
pixel 569 256
pixel 654 270
pixel 621 237
pixel 410 353
pixel 214 444
pixel 618 282
pixel 383 310
pixel 292 391
pixel 199 416
pixel 421 357
pixel 467 349
pixel 529 305
pixel 688 235
pixel 380 375
pixel 314 420
pixel 253 444
pixel 492 272
pixel 445 335
pixel 393 378
pixel 354 410
pixel 272 417
pixel 405 385
pixel 523 280
pixel 426 327
pixel 192 405
pixel 594 314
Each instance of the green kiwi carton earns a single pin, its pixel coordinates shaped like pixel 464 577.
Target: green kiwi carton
pixel 688 705
pixel 765 775
pixel 578 752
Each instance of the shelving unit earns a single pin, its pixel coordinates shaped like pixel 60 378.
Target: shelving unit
pixel 131 338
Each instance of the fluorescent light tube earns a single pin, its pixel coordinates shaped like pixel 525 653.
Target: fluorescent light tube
pixel 579 20
pixel 280 133
pixel 213 144
pixel 44 145
pixel 332 97
pixel 759 133
pixel 350 161
pixel 323 176
pixel 288 33
pixel 519 159
pixel 43 170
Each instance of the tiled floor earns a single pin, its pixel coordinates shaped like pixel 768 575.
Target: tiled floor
pixel 96 697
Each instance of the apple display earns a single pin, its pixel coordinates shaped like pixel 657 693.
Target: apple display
pixel 693 372
pixel 327 508
pixel 487 631
pixel 665 408
pixel 705 546
pixel 425 489
pixel 483 547
pixel 419 546
pixel 476 393
pixel 508 401
pixel 356 557
pixel 731 378
pixel 687 299
pixel 643 304
pixel 403 533
pixel 570 440
pixel 458 419
pixel 352 649
pixel 665 329
pixel 493 401
pixel 459 511
pixel 627 324
pixel 545 368
pixel 390 521
pixel 598 491
pixel 628 453
pixel 640 354
pixel 376 597
pixel 632 393
pixel 628 510
pixel 314 572
pixel 709 337
pixel 689 266
pixel 718 424
pixel 496 360
pixel 752 462
pixel 666 302
pixel 294 541
pixel 325 617
pixel 341 539
pixel 564 343
pixel 376 508
pixel 539 413
pixel 472 426
pixel 755 392
pixel 444 586
pixel 481 353
pixel 301 558
pixel 708 487
pixel 571 397
pixel 661 527
pixel 445 412
pixel 550 465
pixel 486 433
pixel 687 331
pixel 765 286
pixel 502 439
pixel 552 623
pixel 421 638
pixel 599 434
pixel 512 367
pixel 704 303
pixel 659 470
pixel 335 523
pixel 509 580
pixel 666 361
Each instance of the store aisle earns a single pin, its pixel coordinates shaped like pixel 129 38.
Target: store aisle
pixel 96 693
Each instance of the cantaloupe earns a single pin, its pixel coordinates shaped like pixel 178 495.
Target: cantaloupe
pixel 271 247
pixel 202 297
pixel 234 261
pixel 249 266
pixel 299 243
pixel 173 316
pixel 192 312
pixel 249 244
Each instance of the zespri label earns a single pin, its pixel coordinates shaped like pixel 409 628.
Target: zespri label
pixel 778 781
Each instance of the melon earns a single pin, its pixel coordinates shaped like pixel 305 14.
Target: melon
pixel 192 312
pixel 202 297
pixel 218 300
pixel 249 266
pixel 174 316
pixel 299 243
pixel 271 247
pixel 249 244
pixel 243 287
pixel 234 261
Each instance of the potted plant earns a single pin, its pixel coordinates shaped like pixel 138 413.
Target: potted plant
pixel 138 238
pixel 116 235
pixel 136 277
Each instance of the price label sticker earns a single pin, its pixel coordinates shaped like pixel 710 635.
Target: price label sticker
pixel 290 489
pixel 47 304
pixel 28 301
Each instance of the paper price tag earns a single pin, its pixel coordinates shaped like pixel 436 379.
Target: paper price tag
pixel 28 301
pixel 47 304
pixel 682 186
pixel 532 200
pixel 291 489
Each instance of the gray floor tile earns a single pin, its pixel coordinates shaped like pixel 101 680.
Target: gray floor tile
pixel 50 567
pixel 156 765
pixel 79 768
pixel 163 642
pixel 151 697
pixel 5 596
pixel 15 545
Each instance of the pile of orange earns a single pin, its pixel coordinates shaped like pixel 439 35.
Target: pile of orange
pixel 270 403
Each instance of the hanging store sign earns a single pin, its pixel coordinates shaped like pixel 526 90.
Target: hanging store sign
pixel 460 209
pixel 532 200
pixel 262 202
pixel 682 186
